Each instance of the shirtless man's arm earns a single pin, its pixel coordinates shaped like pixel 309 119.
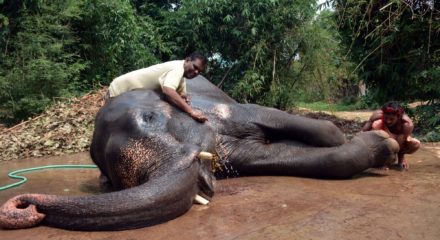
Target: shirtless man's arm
pixel 374 117
pixel 402 139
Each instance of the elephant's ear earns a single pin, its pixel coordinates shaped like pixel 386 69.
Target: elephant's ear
pixel 177 157
pixel 141 159
pixel 165 154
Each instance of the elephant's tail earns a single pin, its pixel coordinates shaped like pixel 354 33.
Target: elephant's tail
pixel 156 201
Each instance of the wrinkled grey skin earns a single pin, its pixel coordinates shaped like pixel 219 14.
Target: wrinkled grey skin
pixel 147 149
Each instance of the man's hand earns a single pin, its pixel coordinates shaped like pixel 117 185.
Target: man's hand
pixel 405 164
pixel 181 102
pixel 402 165
pixel 197 115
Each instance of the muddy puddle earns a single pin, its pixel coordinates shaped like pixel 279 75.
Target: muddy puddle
pixel 373 205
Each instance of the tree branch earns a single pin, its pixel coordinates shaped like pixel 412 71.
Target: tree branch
pixel 274 65
pixel 219 85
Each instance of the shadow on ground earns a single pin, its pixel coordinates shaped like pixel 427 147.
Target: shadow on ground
pixel 373 205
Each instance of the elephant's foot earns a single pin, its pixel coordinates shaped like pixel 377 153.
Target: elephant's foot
pixel 382 147
pixel 16 213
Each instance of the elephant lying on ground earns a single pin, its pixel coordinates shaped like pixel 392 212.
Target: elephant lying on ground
pixel 151 152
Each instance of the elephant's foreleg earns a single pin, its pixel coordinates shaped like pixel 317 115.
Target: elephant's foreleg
pixel 277 124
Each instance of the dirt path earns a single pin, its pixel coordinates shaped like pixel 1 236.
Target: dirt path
pixel 362 115
pixel 373 205
pixel 356 115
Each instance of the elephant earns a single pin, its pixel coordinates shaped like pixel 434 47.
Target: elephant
pixel 157 159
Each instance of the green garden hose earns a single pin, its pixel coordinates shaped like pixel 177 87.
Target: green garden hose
pixel 24 179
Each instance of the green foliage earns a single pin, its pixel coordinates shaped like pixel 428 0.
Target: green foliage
pixel 394 44
pixel 251 84
pixel 162 13
pixel 114 39
pixel 55 48
pixel 270 52
pixel 427 122
pixel 369 101
pixel 322 72
pixel 37 63
pixel 254 42
pixel 263 52
pixel 324 106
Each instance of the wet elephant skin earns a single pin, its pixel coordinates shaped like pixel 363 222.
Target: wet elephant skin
pixel 148 151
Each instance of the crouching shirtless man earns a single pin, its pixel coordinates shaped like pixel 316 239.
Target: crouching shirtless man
pixel 392 119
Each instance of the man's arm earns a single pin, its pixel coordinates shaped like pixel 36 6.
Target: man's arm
pixel 176 99
pixel 407 129
pixel 369 124
pixel 186 98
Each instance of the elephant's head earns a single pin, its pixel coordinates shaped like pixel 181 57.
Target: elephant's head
pixel 149 151
pixel 144 138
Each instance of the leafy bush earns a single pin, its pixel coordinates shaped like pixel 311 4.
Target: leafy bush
pixel 427 122
pixel 393 44
pixel 37 59
pixel 257 41
pixel 115 40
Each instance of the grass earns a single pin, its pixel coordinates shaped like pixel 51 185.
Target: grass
pixel 324 106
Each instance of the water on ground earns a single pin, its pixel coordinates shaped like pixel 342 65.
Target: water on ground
pixel 374 205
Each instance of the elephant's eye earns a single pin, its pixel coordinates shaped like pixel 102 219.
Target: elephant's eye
pixel 148 117
pixel 152 120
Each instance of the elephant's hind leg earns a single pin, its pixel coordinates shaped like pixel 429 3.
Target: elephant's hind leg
pixel 279 124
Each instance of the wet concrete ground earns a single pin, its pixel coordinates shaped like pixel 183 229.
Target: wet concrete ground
pixel 373 205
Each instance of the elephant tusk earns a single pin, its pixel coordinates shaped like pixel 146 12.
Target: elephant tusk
pixel 206 156
pixel 214 159
pixel 201 200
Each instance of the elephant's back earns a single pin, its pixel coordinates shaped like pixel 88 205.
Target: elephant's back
pixel 201 88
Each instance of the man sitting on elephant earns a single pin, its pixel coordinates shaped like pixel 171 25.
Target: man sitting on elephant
pixel 392 119
pixel 169 78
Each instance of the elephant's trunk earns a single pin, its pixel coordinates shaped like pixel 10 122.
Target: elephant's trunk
pixel 156 201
